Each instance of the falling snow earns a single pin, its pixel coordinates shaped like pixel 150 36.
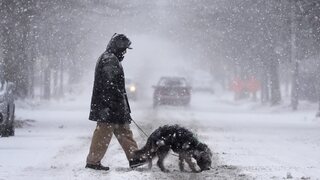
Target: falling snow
pixel 252 68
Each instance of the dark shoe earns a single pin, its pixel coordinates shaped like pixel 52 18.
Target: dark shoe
pixel 136 163
pixel 97 167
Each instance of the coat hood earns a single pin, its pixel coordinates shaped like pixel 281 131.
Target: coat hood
pixel 118 43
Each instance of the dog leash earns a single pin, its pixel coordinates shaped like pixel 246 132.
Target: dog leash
pixel 140 128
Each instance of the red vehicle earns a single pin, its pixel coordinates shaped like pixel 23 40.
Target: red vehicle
pixel 172 90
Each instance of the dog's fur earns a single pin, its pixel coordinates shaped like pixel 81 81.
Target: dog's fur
pixel 179 140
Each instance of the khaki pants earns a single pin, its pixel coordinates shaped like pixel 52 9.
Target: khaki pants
pixel 102 137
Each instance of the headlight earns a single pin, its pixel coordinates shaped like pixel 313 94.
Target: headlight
pixel 132 88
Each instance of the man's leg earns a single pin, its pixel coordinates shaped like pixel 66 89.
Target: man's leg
pixel 99 144
pixel 125 138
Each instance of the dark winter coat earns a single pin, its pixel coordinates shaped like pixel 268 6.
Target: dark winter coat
pixel 109 101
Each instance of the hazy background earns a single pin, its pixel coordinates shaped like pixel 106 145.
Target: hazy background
pixel 49 48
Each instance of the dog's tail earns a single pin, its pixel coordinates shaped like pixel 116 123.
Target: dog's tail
pixel 148 151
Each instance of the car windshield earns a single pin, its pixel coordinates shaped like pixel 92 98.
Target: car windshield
pixel 173 82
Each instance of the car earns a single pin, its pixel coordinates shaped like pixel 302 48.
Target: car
pixel 7 109
pixel 203 82
pixel 172 91
pixel 131 89
pixel 203 86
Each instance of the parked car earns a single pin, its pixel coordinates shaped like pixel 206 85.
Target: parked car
pixel 132 89
pixel 7 109
pixel 203 86
pixel 172 90
pixel 203 82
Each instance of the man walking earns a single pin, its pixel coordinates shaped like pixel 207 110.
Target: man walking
pixel 109 105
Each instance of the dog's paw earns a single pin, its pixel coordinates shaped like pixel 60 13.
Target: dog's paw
pixel 196 171
pixel 165 170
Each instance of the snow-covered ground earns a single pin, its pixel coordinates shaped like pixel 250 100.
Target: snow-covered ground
pixel 249 141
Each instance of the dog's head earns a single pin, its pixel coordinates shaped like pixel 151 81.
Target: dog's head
pixel 203 158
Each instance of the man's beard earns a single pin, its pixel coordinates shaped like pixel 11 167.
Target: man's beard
pixel 120 54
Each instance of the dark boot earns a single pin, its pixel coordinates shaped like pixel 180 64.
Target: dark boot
pixel 97 167
pixel 136 163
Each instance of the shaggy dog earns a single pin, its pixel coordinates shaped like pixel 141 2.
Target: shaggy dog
pixel 179 140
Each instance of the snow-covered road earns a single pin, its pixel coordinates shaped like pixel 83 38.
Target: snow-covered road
pixel 248 141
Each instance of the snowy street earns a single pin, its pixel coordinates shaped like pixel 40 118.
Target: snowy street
pixel 242 75
pixel 248 141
